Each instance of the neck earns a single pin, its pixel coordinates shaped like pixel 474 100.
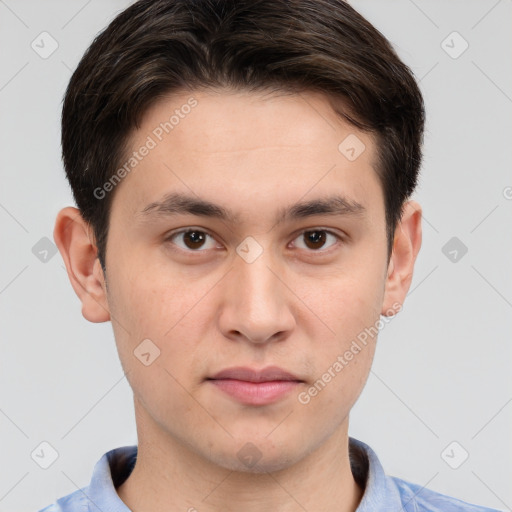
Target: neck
pixel 169 476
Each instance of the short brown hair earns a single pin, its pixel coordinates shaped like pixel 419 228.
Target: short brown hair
pixel 156 47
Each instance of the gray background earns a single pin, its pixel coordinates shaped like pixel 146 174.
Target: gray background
pixel 442 368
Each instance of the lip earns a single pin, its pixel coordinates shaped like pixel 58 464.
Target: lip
pixel 269 374
pixel 255 387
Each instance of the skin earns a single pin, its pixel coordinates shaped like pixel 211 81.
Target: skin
pixel 295 306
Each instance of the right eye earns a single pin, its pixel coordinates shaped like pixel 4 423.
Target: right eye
pixel 191 240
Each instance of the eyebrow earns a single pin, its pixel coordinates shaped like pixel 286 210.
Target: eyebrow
pixel 178 203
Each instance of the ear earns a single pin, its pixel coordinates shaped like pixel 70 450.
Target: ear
pixel 73 238
pixel 406 246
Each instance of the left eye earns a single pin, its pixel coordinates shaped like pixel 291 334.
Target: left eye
pixel 193 239
pixel 315 239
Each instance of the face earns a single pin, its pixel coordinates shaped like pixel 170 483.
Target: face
pixel 285 266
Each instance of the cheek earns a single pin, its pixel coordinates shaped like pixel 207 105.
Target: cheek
pixel 153 297
pixel 354 318
pixel 343 360
pixel 140 307
pixel 348 309
pixel 153 309
pixel 165 308
pixel 345 302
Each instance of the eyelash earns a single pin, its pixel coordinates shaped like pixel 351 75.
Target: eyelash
pixel 171 236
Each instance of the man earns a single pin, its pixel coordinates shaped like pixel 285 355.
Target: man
pixel 243 173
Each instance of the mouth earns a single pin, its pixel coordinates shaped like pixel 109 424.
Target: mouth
pixel 255 387
pixel 269 374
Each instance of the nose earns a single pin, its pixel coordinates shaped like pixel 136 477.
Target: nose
pixel 257 304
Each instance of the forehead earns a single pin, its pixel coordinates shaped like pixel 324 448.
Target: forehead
pixel 236 120
pixel 235 145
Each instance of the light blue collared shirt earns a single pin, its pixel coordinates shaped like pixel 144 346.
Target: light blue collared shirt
pixel 382 493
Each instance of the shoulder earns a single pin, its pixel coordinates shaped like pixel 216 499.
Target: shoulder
pixel 74 502
pixel 416 498
pixel 109 472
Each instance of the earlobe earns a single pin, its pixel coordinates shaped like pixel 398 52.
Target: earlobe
pixel 73 237
pixel 406 246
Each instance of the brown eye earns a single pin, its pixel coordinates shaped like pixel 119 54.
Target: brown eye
pixel 193 239
pixel 315 239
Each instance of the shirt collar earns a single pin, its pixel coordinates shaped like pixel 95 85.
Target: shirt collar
pixel 380 492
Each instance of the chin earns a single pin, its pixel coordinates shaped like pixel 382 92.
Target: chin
pixel 255 458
